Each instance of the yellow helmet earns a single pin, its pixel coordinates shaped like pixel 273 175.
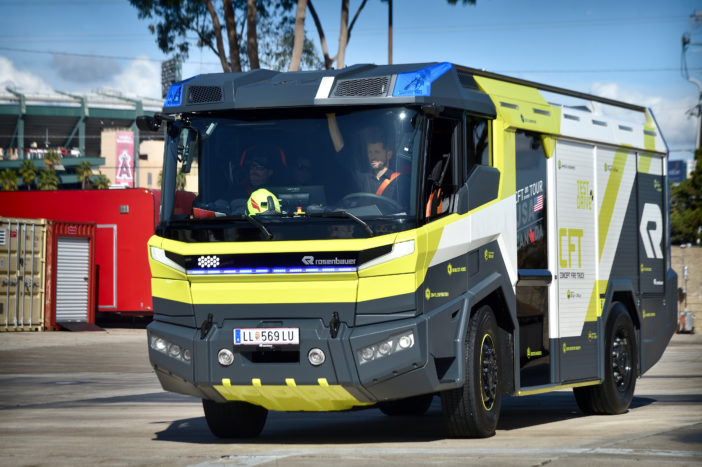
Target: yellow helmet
pixel 262 201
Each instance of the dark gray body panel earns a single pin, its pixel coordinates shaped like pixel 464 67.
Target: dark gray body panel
pixel 266 89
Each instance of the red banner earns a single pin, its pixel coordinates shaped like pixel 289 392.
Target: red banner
pixel 124 166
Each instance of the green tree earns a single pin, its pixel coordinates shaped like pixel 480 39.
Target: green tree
pixel 51 160
pixel 28 172
pixel 686 207
pixel 236 31
pixel 180 180
pixel 48 180
pixel 84 172
pixel 101 182
pixel 8 180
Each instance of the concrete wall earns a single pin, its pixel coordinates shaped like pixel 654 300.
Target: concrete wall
pixel 693 261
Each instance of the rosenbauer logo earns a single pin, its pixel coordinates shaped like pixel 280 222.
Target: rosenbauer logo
pixel 311 261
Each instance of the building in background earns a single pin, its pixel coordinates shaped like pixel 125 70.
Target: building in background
pixel 73 126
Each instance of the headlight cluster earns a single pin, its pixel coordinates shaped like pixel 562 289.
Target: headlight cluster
pixel 389 346
pixel 162 345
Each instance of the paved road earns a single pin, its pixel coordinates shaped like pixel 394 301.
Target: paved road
pixel 91 398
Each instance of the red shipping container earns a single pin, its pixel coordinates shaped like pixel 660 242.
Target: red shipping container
pixel 125 220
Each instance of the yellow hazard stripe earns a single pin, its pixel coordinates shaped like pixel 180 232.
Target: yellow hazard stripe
pixel 609 199
pixel 290 397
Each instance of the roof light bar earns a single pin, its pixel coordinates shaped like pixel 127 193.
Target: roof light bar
pixel 418 83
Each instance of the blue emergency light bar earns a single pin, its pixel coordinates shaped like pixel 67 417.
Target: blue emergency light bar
pixel 275 270
pixel 418 83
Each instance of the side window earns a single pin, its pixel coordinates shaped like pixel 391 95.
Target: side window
pixel 477 147
pixel 531 201
pixel 440 172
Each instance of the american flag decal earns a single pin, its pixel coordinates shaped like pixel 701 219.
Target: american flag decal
pixel 539 203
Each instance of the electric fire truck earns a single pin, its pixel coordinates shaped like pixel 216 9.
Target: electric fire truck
pixel 520 245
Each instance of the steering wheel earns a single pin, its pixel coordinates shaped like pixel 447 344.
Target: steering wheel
pixel 373 199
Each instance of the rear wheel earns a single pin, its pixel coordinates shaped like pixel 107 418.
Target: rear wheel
pixel 614 394
pixel 234 419
pixel 417 405
pixel 474 409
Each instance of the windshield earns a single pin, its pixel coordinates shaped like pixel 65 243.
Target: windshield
pixel 349 165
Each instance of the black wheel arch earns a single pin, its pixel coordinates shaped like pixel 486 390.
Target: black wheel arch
pixel 621 292
pixel 506 323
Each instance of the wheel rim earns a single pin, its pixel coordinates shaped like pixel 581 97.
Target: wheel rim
pixel 488 372
pixel 621 361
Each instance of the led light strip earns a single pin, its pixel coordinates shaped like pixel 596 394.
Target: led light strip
pixel 274 270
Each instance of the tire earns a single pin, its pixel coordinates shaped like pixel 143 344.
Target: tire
pixel 474 409
pixel 614 394
pixel 411 406
pixel 234 419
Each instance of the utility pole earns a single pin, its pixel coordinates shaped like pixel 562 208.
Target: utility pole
pixel 389 32
pixel 696 16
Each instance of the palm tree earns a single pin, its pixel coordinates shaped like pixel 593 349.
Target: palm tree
pixel 28 172
pixel 101 182
pixel 180 181
pixel 8 180
pixel 84 172
pixel 181 178
pixel 48 180
pixel 51 159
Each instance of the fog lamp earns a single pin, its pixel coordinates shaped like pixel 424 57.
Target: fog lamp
pixel 316 356
pixel 225 357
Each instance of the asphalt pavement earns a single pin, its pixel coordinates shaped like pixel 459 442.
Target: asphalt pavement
pixel 91 398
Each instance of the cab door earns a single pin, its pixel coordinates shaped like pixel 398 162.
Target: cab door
pixel 534 275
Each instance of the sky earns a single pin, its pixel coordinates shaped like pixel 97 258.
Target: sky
pixel 625 50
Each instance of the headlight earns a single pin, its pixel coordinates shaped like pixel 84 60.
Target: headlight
pixel 158 254
pixel 391 345
pixel 161 345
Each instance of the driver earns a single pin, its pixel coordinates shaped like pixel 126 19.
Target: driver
pixel 380 180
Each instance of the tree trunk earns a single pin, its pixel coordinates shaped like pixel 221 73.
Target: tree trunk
pixel 299 40
pixel 343 34
pixel 251 37
pixel 322 38
pixel 218 36
pixel 232 36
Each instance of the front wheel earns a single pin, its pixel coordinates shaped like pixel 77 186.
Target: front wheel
pixel 614 394
pixel 234 419
pixel 474 409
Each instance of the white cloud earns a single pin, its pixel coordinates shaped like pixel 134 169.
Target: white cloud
pixel 678 129
pixel 140 78
pixel 21 80
pixel 84 69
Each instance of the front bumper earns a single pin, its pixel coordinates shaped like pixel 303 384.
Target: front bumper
pixel 293 384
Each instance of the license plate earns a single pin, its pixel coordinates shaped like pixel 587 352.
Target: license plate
pixel 267 336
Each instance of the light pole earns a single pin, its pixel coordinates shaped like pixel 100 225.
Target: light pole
pixel 683 247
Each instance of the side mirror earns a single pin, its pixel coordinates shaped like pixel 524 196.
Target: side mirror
pixel 481 187
pixel 148 123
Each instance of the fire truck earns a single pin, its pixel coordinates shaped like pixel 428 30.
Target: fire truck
pixel 519 245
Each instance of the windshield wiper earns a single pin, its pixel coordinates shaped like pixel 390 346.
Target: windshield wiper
pixel 345 214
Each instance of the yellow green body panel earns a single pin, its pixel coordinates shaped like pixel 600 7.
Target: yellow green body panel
pixel 290 397
pixel 521 106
